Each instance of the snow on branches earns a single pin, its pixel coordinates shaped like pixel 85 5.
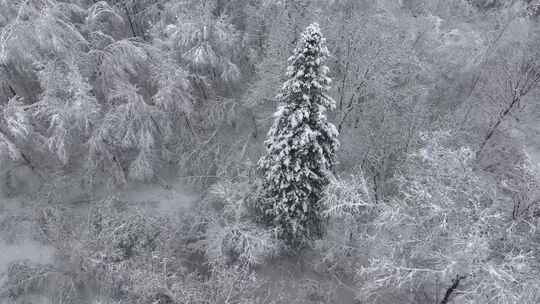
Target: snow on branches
pixel 301 145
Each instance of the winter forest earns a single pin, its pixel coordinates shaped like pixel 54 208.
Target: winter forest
pixel 269 152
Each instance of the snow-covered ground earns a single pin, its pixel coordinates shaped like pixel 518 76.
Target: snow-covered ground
pixel 23 250
pixel 20 245
pixel 533 148
pixel 167 199
pixel 528 132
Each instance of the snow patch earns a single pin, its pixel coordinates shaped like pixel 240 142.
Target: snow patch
pixel 25 250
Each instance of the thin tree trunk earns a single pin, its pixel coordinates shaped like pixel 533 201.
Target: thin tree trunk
pixel 131 25
pixel 376 188
pixel 451 289
pixel 12 91
pixel 484 59
pixel 489 135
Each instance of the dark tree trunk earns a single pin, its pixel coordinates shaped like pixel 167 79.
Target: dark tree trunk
pixel 451 289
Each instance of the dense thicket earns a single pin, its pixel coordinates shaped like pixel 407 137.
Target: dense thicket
pixel 435 196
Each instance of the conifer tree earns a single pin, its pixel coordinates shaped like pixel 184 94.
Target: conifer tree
pixel 301 146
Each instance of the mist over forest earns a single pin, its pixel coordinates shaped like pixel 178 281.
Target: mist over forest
pixel 269 152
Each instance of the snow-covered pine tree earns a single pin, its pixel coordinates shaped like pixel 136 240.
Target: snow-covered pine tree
pixel 301 146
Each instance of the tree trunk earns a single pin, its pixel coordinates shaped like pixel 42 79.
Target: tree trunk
pixel 515 101
pixel 451 289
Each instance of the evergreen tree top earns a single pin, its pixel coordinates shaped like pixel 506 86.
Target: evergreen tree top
pixel 307 72
pixel 312 46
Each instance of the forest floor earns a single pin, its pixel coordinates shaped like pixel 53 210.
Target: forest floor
pixel 16 237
